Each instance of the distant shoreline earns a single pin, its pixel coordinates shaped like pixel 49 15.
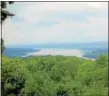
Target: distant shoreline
pixel 53 52
pixel 86 53
pixel 58 52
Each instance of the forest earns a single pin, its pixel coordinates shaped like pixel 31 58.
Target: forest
pixel 54 76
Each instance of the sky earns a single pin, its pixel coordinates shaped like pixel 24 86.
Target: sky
pixel 43 22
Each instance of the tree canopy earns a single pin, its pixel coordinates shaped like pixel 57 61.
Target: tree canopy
pixel 55 76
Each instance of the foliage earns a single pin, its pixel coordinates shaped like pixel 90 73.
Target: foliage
pixel 55 76
pixel 2 45
pixel 4 15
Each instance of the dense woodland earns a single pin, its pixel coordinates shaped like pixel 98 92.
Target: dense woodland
pixel 55 76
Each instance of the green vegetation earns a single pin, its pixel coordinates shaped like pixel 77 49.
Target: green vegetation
pixel 55 76
pixel 4 14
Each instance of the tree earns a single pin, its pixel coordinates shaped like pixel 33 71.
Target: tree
pixel 4 12
pixel 2 45
pixel 4 15
pixel 101 60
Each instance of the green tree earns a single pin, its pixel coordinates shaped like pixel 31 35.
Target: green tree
pixel 2 45
pixel 102 60
pixel 4 15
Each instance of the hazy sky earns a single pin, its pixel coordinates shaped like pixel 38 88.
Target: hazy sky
pixel 39 22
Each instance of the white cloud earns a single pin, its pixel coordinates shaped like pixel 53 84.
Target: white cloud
pixel 93 28
pixel 32 12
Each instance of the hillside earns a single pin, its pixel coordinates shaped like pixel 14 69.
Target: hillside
pixel 55 76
